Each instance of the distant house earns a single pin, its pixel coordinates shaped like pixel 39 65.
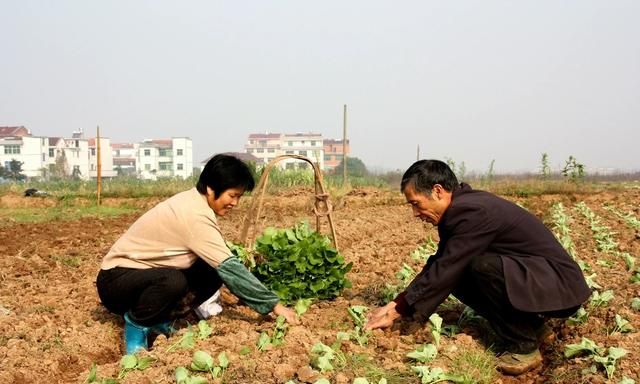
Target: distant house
pixel 14 131
pixel 164 158
pixel 333 153
pixel 267 146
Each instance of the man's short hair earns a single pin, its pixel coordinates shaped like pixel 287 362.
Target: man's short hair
pixel 424 174
pixel 224 172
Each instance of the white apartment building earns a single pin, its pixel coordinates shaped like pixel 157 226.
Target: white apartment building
pixel 106 158
pixel 266 146
pixel 164 158
pixel 30 150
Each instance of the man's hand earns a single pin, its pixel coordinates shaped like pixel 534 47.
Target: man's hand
pixel 382 317
pixel 289 315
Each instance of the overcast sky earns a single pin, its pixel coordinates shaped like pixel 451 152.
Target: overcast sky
pixel 467 80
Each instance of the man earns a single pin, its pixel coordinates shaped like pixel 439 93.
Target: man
pixel 495 257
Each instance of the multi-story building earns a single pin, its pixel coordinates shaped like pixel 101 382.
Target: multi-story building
pixel 165 158
pixel 266 146
pixel 333 153
pixel 16 143
pixel 124 158
pixel 106 158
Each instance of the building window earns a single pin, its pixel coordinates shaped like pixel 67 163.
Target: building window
pixel 249 150
pixel 77 143
pixel 179 167
pixel 333 149
pixel 290 152
pixel 52 152
pixel 147 167
pixel 327 157
pixel 179 152
pixel 164 166
pixel 270 150
pixel 263 143
pixel 11 149
pixel 303 153
pixel 313 143
pixel 260 150
pixel 163 152
pixel 147 152
pixel 290 143
pixel 93 151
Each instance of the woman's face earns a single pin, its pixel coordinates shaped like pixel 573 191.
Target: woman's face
pixel 225 202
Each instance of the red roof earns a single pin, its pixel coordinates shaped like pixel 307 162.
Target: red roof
pixel 14 131
pixel 264 136
pixel 53 141
pixel 122 145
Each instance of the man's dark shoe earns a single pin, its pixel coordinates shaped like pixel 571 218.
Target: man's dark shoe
pixel 516 364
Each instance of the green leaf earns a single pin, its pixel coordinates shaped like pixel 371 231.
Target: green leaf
pixel 128 362
pixel 263 341
pixel 223 361
pixel 144 363
pixel 302 305
pixel 586 346
pixel 204 330
pixel 323 364
pixel 201 361
pixel 424 353
pixel 93 373
pixel 181 375
pixel 360 380
pixel 245 350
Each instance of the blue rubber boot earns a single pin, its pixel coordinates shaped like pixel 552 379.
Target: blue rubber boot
pixel 135 336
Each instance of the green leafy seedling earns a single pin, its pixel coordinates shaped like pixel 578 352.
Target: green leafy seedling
pixel 129 363
pixel 436 327
pixel 435 375
pixel 187 341
pixel 601 299
pixel 609 361
pixel 263 341
pixel 424 354
pixel 358 315
pixel 585 347
pixel 204 330
pixel 203 362
pixel 580 317
pixel 323 357
pixel 183 377
pixel 279 331
pixel 622 325
pixel 302 305
pixel 635 303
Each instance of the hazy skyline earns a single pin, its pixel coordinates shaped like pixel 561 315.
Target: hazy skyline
pixel 468 80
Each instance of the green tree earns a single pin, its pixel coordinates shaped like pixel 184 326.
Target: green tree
pixel 355 168
pixel 14 172
pixel 573 170
pixel 545 169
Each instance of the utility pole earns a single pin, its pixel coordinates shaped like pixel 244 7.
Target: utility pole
pixel 344 146
pixel 99 166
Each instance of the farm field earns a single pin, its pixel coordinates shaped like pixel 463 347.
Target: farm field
pixel 53 327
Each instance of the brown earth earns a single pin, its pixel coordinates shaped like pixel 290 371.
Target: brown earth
pixel 53 327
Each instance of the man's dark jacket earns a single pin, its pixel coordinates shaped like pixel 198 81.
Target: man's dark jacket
pixel 539 274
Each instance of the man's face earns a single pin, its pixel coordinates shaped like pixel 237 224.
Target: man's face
pixel 428 207
pixel 225 202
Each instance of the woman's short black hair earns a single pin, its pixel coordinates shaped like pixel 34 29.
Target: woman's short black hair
pixel 223 172
pixel 424 174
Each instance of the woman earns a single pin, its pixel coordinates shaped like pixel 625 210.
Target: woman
pixel 176 248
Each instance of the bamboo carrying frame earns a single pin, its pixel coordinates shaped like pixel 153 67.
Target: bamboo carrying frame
pixel 322 206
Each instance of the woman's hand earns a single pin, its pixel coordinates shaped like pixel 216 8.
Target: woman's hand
pixel 382 317
pixel 289 314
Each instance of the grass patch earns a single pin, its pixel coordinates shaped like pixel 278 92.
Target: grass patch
pixel 59 213
pixel 476 366
pixel 364 365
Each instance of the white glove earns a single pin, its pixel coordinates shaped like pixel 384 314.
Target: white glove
pixel 210 307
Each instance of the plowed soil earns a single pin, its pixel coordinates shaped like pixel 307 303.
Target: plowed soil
pixel 53 327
